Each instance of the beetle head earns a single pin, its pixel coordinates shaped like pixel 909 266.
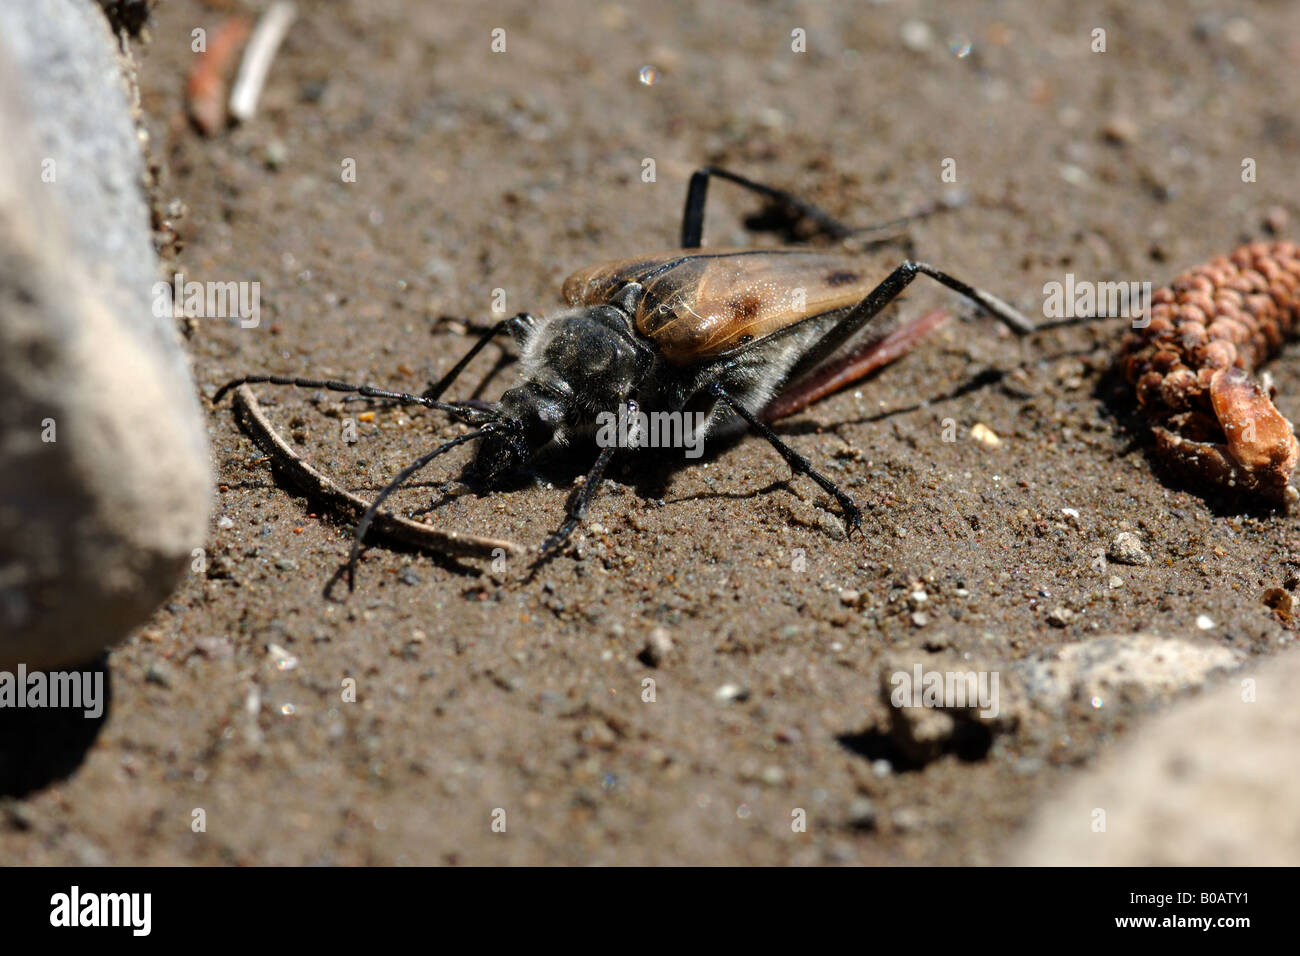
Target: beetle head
pixel 529 419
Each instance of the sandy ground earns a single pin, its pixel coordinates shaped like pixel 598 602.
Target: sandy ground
pixel 479 171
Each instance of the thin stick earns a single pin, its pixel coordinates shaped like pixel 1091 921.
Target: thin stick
pixel 311 482
pixel 259 53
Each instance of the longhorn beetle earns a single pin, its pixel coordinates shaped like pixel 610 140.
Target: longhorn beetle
pixel 713 332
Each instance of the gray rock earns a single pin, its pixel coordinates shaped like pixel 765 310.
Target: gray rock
pixel 1132 666
pixel 1126 548
pixel 943 702
pixel 1212 782
pixel 104 473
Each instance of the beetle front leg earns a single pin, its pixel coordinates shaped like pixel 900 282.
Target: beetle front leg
pixel 520 327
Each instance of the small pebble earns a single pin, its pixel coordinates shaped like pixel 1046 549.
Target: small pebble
pixel 882 767
pixel 850 597
pixel 1072 174
pixel 1115 582
pixel 731 692
pixel 1204 622
pixel 408 576
pixel 920 619
pixel 984 435
pixel 277 154
pixel 1060 616
pixel 657 647
pixel 916 35
pixel 1280 601
pixel 284 661
pixel 907 819
pixel 1120 130
pixel 1239 31
pixel 862 814
pixel 1126 548
pixel 224 522
pixel 215 648
pixel 1275 220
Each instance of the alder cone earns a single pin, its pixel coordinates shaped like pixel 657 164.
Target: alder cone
pixel 1235 310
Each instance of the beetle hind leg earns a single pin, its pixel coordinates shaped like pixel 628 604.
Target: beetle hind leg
pixel 797 462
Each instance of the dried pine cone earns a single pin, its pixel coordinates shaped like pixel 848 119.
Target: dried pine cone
pixel 1190 365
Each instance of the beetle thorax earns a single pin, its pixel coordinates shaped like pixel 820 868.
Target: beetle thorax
pixel 586 359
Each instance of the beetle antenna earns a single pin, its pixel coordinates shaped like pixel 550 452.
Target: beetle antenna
pixel 400 479
pixel 457 410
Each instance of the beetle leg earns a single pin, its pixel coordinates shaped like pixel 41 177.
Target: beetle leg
pixel 799 209
pixel 578 503
pixel 891 288
pixel 697 192
pixel 797 462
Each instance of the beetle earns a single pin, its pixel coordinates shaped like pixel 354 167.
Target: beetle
pixel 693 331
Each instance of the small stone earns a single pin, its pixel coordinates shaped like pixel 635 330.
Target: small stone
pixel 215 648
pixel 907 819
pixel 1205 622
pixel 1239 31
pixel 1060 616
pixel 657 647
pixel 284 661
pixel 881 767
pixel 1280 601
pixel 408 576
pixel 984 435
pixel 159 673
pixel 773 775
pixel 277 154
pixel 224 522
pixel 916 35
pixel 1120 130
pixel 1072 174
pixel 1275 220
pixel 920 619
pixel 1126 548
pixel 850 597
pixel 286 564
pixel 18 815
pixel 731 692
pixel 1115 582
pixel 862 814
